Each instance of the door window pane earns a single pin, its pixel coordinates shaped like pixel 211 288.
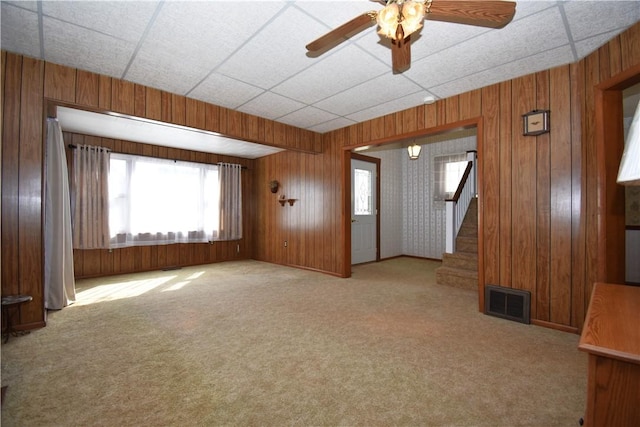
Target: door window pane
pixel 362 183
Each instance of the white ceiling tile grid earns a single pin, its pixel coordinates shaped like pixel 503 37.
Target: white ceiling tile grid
pixel 250 56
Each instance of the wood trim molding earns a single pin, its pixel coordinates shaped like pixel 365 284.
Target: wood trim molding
pixel 346 213
pixel 479 187
pixel 609 141
pixel 431 131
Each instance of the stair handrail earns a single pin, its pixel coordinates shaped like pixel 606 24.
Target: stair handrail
pixel 456 207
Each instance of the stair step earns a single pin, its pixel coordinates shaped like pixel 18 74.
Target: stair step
pixel 460 269
pixel 464 279
pixel 468 230
pixel 471 215
pixel 467 244
pixel 461 260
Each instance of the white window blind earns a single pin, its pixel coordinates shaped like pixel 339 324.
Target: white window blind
pixel 158 201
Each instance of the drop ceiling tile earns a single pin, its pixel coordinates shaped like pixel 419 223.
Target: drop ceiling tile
pixel 541 61
pixel 437 36
pixel 127 19
pixel 334 13
pixel 20 31
pixel 512 42
pixel 368 94
pixel 331 74
pixel 490 50
pixel 307 117
pixel 525 8
pixel 85 49
pixel 275 46
pixel 408 101
pixel 586 46
pixel 600 17
pixel 224 91
pixel 206 32
pixel 29 5
pixel 188 40
pixel 338 123
pixel 377 46
pixel 162 69
pixel 270 106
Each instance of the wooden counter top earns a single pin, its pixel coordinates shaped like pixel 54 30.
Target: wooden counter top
pixel 612 325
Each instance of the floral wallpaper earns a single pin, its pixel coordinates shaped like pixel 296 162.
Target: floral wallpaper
pixel 411 222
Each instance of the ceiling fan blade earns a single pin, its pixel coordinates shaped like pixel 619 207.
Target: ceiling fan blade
pixel 343 32
pixel 492 14
pixel 401 55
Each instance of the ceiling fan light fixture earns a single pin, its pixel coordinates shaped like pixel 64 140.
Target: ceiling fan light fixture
pixel 400 19
pixel 412 17
pixel 388 20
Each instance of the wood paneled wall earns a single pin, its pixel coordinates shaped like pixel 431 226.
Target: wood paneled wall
pixel 538 195
pixel 28 86
pixel 311 227
pixel 22 152
pixel 538 202
pixel 101 262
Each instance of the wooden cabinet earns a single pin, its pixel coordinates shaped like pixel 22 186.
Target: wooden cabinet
pixel 611 337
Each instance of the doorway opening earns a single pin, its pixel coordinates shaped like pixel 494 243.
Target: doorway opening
pixel 412 217
pixel 631 103
pixel 611 266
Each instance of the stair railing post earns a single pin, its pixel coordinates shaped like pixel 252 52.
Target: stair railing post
pixel 466 190
pixel 472 156
pixel 450 226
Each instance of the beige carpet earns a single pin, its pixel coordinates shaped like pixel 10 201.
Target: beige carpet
pixel 250 343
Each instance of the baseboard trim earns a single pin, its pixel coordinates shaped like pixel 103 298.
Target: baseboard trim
pixel 412 256
pixel 557 326
pixel 316 270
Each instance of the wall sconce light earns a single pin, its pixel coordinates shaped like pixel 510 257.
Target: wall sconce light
pixel 535 122
pixel 273 185
pixel 414 151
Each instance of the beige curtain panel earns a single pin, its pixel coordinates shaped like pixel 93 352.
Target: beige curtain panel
pixel 90 197
pixel 230 227
pixel 59 281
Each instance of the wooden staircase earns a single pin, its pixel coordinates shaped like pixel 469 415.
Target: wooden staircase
pixel 460 269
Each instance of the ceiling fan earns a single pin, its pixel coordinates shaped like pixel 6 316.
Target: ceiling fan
pixel 401 18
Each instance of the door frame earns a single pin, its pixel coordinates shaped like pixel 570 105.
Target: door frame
pixel 609 140
pixel 475 122
pixel 368 159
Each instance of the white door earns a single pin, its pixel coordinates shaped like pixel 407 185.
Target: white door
pixel 363 212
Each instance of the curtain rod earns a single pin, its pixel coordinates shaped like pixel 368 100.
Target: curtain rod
pixel 73 147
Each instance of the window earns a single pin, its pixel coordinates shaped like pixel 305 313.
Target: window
pixel 448 171
pixel 363 182
pixel 157 201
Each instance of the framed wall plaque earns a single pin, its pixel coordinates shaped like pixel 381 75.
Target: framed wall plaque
pixel 535 122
